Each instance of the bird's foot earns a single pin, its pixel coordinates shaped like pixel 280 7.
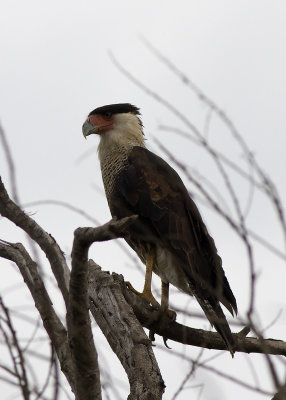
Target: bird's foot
pixel 146 294
pixel 163 313
pixel 165 342
pixel 170 314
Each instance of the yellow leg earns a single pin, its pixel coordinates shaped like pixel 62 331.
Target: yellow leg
pixel 147 293
pixel 164 296
pixel 165 301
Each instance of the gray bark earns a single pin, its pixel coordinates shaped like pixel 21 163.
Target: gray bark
pixel 125 335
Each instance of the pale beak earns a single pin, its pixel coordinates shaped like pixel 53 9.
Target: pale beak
pixel 88 129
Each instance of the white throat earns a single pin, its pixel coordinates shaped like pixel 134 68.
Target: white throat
pixel 115 145
pixel 125 134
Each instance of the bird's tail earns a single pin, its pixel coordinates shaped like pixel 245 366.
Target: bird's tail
pixel 217 319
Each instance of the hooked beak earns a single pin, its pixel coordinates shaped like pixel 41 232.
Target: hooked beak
pixel 88 129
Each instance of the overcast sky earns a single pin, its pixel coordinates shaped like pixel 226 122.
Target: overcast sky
pixel 56 67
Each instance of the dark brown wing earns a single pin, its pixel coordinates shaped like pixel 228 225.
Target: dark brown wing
pixel 152 189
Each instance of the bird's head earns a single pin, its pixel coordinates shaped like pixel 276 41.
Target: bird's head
pixel 117 125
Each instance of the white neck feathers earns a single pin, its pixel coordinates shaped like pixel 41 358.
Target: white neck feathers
pixel 125 134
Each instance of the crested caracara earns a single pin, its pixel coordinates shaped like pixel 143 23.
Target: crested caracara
pixel 169 235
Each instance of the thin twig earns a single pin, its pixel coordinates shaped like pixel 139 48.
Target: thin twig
pixel 18 359
pixel 11 165
pixel 53 325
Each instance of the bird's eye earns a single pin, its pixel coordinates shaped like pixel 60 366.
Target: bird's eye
pixel 107 115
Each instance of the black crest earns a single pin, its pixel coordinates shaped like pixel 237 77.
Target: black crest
pixel 116 109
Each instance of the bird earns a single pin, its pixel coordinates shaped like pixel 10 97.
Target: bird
pixel 169 234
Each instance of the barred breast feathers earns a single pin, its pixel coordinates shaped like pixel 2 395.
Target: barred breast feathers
pixel 115 146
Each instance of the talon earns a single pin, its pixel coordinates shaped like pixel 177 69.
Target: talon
pixel 146 294
pixel 128 284
pixel 171 314
pixel 152 335
pixel 165 343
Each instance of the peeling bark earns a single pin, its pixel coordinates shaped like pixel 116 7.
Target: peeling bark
pixel 125 335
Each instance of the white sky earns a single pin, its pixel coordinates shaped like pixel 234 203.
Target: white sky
pixel 55 69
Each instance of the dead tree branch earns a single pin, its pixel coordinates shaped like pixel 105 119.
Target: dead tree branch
pixel 16 352
pixel 11 165
pixel 125 335
pixel 79 328
pixel 57 332
pixel 163 326
pixel 115 317
pixel 15 214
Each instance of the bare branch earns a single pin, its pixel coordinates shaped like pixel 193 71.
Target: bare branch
pixel 78 322
pixel 124 334
pixel 11 165
pixel 163 326
pixel 54 327
pixel 111 230
pixel 115 318
pixel 79 329
pixel 18 358
pixel 172 330
pixel 11 211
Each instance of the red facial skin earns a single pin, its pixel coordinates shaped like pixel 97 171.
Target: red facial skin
pixel 101 122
